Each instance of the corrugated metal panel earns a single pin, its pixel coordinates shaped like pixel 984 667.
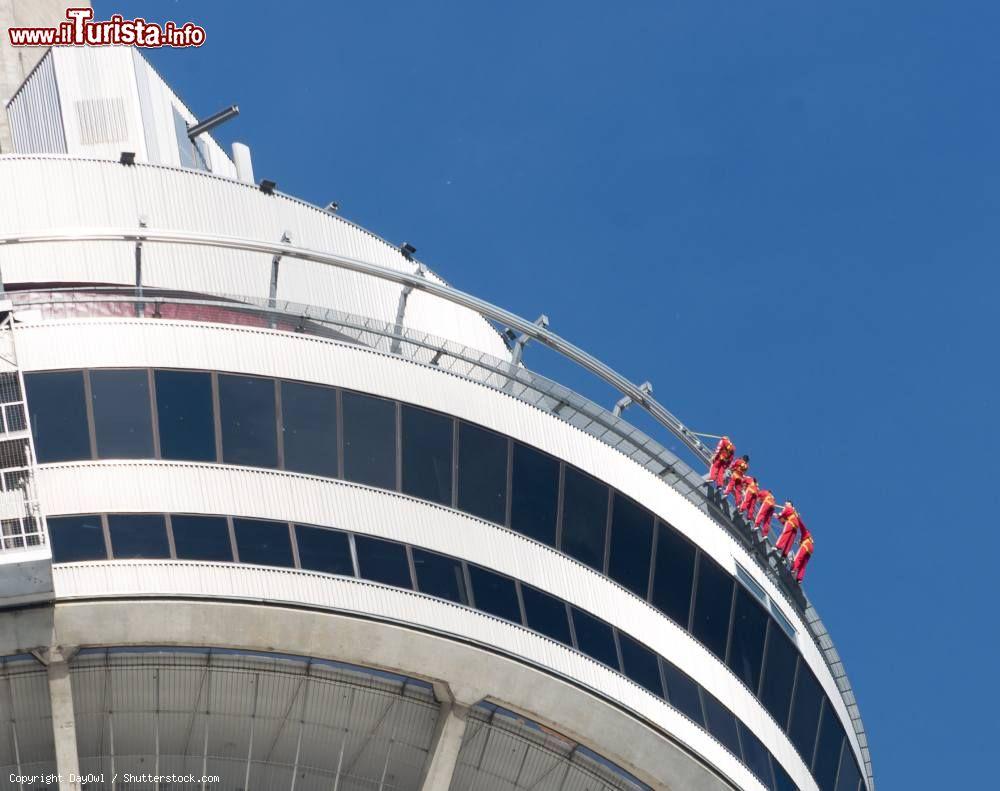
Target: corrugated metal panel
pixel 49 193
pixel 35 113
pixel 99 101
pixel 198 488
pixel 157 578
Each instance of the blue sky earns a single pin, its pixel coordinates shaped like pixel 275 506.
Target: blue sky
pixel 783 214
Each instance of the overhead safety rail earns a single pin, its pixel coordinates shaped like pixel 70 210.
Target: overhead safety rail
pixel 639 394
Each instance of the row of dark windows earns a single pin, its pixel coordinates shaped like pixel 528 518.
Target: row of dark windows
pixel 230 539
pixel 244 420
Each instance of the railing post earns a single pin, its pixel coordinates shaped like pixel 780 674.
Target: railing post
pixel 272 293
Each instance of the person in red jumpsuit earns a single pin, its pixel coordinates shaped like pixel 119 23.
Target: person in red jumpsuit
pixel 720 461
pixel 763 521
pixel 736 472
pixel 751 488
pixel 790 518
pixel 802 556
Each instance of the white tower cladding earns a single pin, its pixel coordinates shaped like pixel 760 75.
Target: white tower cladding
pixel 312 526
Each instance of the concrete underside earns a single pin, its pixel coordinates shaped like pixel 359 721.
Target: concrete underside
pixel 470 673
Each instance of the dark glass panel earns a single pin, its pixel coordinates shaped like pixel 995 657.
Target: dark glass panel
pixel 534 496
pixel 138 536
pixel 585 516
pixel 631 544
pixel 369 440
pixel 673 575
pixel 712 604
pixel 482 473
pixel 249 430
pixel 58 410
pixel 831 739
pixel 495 594
pixel 324 550
pixel 755 755
pixel 779 674
pixel 264 543
pixel 185 415
pixel 746 649
pixel 440 576
pixel 427 454
pixel 850 776
pixel 383 561
pixel 123 422
pixel 640 664
pixel 682 692
pixel 199 537
pixel 595 638
pixel 805 713
pixel 782 782
pixel 546 614
pixel 76 538
pixel 309 423
pixel 721 722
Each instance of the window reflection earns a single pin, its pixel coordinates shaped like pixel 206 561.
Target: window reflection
pixel 123 423
pixel 427 454
pixel 246 414
pixel 369 440
pixel 585 515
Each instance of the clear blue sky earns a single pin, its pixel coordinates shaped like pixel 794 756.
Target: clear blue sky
pixel 782 213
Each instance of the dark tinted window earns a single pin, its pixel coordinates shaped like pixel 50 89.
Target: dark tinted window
pixel 123 422
pixel 712 604
pixel 369 440
pixel 720 722
pixel 263 543
pixel 585 515
pixel 482 473
pixel 58 411
pixel 383 561
pixel 850 775
pixel 439 575
pixel 76 538
pixel 427 455
pixel 249 430
pixel 185 416
pixel 805 713
pixel 495 594
pixel 328 551
pixel 831 739
pixel 201 537
pixel 782 782
pixel 631 544
pixel 673 575
pixel 595 638
pixel 138 536
pixel 640 664
pixel 683 692
pixel 746 649
pixel 755 755
pixel 534 497
pixel 309 423
pixel 546 614
pixel 779 674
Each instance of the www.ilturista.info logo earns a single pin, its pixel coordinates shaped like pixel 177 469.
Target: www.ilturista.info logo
pixel 81 30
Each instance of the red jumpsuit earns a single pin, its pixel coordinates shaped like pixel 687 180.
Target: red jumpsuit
pixel 790 519
pixel 723 455
pixel 802 556
pixel 763 520
pixel 750 494
pixel 735 485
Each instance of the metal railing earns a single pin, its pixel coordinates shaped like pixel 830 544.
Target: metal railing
pixel 504 375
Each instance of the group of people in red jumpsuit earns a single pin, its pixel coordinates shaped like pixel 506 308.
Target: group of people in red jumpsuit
pixel 748 494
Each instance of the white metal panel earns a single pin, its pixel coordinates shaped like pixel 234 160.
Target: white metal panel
pixel 99 101
pixel 51 192
pixel 35 114
pixel 179 578
pixel 176 487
